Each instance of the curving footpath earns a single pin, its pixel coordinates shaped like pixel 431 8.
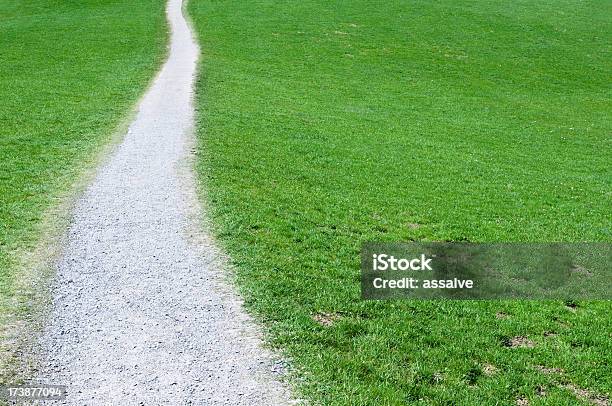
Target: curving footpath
pixel 141 311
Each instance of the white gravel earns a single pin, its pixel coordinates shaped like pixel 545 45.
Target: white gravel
pixel 142 313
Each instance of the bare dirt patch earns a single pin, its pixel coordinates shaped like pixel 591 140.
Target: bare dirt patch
pixel 522 401
pixel 587 395
pixel 548 371
pixel 519 342
pixel 489 369
pixel 326 319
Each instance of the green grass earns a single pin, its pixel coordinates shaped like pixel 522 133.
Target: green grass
pixel 70 71
pixel 324 124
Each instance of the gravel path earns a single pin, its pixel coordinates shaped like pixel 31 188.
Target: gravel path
pixel 141 311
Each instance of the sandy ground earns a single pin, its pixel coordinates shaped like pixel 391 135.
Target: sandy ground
pixel 141 311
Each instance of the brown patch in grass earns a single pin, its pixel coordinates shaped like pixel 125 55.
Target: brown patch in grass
pixel 414 226
pixel 522 401
pixel 586 395
pixel 571 305
pixel 548 371
pixel 437 377
pixel 583 394
pixel 501 315
pixel 550 334
pixel 489 369
pixel 519 342
pixel 541 391
pixel 326 319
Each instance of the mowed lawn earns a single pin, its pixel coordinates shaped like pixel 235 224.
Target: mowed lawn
pixel 324 124
pixel 70 71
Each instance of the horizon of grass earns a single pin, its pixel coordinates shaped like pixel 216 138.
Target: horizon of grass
pixel 70 73
pixel 323 125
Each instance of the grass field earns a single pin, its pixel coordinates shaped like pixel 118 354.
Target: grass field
pixel 70 71
pixel 324 124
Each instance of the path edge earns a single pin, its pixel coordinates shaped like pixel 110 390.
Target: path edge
pixel 201 234
pixel 20 331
